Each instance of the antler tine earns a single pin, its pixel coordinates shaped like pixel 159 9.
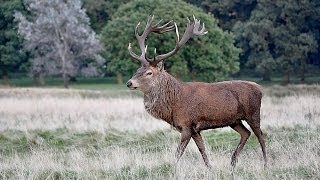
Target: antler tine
pixel 169 28
pixel 192 29
pixel 177 32
pixel 162 29
pixel 136 30
pixel 203 30
pixel 158 23
pixel 145 49
pixel 155 53
pixel 194 18
pixel 134 55
pixel 163 26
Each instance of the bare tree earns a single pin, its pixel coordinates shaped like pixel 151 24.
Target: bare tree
pixel 59 36
pixel 196 106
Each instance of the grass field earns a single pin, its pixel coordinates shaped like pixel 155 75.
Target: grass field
pixel 48 133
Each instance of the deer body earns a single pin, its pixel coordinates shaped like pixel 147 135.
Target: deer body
pixel 195 106
pixel 202 106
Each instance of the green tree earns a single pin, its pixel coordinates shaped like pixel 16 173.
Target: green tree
pixel 228 12
pixel 262 50
pixel 211 57
pixel 101 11
pixel 292 51
pixel 254 39
pixel 277 34
pixel 294 38
pixel 12 57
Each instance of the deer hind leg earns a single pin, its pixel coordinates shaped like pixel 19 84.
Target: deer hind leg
pixel 244 133
pixel 199 142
pixel 255 126
pixel 185 138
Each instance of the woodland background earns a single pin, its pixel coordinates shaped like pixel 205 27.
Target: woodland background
pixel 260 40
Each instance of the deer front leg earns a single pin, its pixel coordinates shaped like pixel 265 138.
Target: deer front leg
pixel 185 138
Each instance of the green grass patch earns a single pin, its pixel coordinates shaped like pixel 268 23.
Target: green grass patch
pixel 14 142
pixel 228 140
pixel 63 139
pixel 66 140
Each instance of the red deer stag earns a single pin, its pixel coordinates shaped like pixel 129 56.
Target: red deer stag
pixel 194 106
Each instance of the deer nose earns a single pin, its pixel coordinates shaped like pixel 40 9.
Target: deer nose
pixel 129 84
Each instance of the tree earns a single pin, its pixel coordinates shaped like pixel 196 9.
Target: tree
pixel 294 40
pixel 211 57
pixel 277 34
pixel 254 38
pixel 246 17
pixel 228 12
pixel 60 38
pixel 292 50
pixel 101 11
pixel 12 57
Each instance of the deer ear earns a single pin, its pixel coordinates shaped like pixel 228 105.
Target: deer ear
pixel 160 66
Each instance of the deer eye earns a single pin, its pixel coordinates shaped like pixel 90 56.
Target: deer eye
pixel 149 73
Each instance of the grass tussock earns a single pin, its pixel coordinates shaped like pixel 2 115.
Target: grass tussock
pixel 81 134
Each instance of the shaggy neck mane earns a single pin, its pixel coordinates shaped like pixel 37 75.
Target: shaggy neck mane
pixel 162 96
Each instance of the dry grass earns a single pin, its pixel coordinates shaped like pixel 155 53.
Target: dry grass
pixel 26 109
pixel 54 133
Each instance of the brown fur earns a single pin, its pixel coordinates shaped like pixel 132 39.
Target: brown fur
pixel 202 105
pixel 195 106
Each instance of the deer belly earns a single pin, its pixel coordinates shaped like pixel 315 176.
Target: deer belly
pixel 214 117
pixel 206 123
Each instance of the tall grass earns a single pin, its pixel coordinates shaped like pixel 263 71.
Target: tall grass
pixel 54 133
pixel 26 109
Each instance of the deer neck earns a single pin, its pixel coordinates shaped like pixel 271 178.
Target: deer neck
pixel 161 98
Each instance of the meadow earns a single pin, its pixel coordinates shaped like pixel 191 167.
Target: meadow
pixel 53 133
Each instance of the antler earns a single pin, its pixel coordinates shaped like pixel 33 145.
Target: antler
pixel 191 30
pixel 141 38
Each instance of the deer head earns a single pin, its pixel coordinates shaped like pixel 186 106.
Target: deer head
pixel 151 69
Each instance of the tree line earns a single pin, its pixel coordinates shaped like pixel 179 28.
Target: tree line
pixel 90 37
pixel 275 36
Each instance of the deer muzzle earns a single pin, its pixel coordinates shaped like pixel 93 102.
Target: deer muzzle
pixel 131 85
